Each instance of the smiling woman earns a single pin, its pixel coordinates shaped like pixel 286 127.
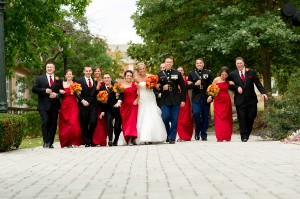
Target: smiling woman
pixel 111 20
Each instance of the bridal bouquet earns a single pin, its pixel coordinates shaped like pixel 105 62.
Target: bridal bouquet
pixel 102 96
pixel 213 90
pixel 75 87
pixel 118 88
pixel 151 81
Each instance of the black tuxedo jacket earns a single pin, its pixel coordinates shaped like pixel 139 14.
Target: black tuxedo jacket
pixel 88 94
pixel 248 96
pixel 112 100
pixel 206 79
pixel 177 90
pixel 40 85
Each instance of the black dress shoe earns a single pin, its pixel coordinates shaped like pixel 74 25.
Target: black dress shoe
pixel 204 139
pixel 244 140
pixel 109 143
pixel 115 143
pixel 46 145
pixel 167 140
pixel 197 137
pixel 87 145
pixel 171 141
pixel 51 146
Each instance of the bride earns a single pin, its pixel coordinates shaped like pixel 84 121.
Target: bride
pixel 150 125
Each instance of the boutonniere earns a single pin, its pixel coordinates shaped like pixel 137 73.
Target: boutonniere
pixel 96 79
pixel 247 69
pixel 56 78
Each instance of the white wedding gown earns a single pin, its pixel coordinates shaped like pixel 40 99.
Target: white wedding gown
pixel 150 126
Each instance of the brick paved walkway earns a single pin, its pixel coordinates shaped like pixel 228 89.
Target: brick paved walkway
pixel 256 169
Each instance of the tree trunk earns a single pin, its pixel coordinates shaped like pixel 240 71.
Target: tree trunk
pixel 266 63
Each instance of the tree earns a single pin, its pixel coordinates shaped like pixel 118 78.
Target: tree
pixel 218 31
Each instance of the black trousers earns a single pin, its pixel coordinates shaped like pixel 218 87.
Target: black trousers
pixel 116 127
pixel 88 122
pixel 49 124
pixel 246 114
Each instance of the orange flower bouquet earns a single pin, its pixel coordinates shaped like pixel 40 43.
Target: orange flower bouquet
pixel 151 81
pixel 213 90
pixel 118 88
pixel 75 87
pixel 102 96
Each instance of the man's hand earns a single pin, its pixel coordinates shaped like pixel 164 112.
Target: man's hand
pixel 53 95
pixel 62 91
pixel 166 87
pixel 265 96
pixel 48 90
pixel 118 104
pixel 198 83
pixel 240 90
pixel 189 82
pixel 85 103
pixel 101 115
pixel 157 86
pixel 209 99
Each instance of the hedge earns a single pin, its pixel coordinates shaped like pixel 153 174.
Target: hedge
pixel 33 129
pixel 11 131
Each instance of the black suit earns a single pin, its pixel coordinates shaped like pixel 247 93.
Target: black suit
pixel 112 113
pixel 48 107
pixel 87 114
pixel 246 103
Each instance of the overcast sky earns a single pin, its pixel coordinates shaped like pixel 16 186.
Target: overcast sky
pixel 111 19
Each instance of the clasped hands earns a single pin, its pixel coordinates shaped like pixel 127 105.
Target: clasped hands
pixel 51 93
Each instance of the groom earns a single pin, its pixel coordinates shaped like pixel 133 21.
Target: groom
pixel 112 110
pixel 172 87
pixel 47 88
pixel 87 104
pixel 245 98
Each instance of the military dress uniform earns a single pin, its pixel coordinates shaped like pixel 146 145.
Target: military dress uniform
pixel 171 99
pixel 199 103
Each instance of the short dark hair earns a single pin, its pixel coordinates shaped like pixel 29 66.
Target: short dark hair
pixel 49 61
pixel 239 58
pixel 127 71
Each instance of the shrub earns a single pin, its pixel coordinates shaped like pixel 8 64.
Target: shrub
pixel 11 131
pixel 283 116
pixel 34 124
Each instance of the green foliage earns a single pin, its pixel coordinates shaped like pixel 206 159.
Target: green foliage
pixel 217 31
pixel 33 128
pixel 11 131
pixel 283 115
pixel 32 26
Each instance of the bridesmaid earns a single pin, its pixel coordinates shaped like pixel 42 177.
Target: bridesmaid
pixel 100 133
pixel 185 121
pixel 129 109
pixel 68 124
pixel 222 107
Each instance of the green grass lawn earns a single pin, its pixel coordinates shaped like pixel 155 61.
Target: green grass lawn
pixel 33 142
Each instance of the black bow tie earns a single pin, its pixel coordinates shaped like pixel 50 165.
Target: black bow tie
pixel 168 71
pixel 199 71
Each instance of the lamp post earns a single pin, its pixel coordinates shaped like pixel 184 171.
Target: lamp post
pixel 3 99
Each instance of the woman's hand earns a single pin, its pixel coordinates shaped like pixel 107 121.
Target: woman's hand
pixel 209 99
pixel 62 91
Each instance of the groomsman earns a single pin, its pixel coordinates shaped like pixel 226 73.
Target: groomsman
pixel 156 92
pixel 112 110
pixel 87 103
pixel 172 87
pixel 245 98
pixel 47 88
pixel 198 80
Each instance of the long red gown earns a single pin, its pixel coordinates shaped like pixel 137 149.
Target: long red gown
pixel 100 133
pixel 223 113
pixel 185 120
pixel 69 126
pixel 129 112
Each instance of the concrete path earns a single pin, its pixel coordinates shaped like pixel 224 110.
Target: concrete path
pixel 196 169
